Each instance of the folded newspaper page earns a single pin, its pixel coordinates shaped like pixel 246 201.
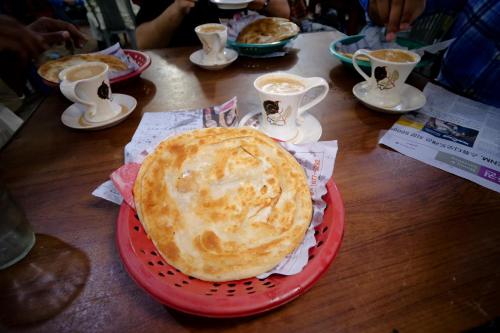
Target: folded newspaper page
pixel 453 133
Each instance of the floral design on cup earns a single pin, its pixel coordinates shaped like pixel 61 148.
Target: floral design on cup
pixel 383 80
pixel 103 91
pixel 274 116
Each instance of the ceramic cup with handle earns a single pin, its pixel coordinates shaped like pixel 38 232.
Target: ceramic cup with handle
pixel 88 85
pixel 281 95
pixel 390 69
pixel 213 37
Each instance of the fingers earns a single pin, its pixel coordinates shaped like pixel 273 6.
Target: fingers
pixel 185 6
pixel 412 10
pixel 66 30
pixel 189 3
pixel 395 16
pixel 52 38
pixel 383 8
pixel 78 37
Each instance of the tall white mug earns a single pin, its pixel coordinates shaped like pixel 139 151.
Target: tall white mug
pixel 88 85
pixel 390 69
pixel 213 37
pixel 281 95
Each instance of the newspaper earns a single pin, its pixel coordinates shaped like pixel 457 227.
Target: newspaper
pixel 117 51
pixel 452 133
pixel 317 159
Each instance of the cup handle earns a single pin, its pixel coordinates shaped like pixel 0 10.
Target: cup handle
pixel 355 62
pixel 313 82
pixel 68 89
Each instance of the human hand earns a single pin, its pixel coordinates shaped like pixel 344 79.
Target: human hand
pixel 54 31
pixel 17 39
pixel 184 6
pixel 396 15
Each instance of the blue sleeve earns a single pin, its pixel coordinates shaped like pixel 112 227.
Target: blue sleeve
pixel 433 6
pixel 57 3
pixel 364 4
pixel 60 3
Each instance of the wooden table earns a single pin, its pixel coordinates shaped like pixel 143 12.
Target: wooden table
pixel 420 251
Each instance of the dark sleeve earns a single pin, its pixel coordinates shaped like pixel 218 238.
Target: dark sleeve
pixel 151 9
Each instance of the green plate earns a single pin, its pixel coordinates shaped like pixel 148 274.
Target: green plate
pixel 366 64
pixel 258 49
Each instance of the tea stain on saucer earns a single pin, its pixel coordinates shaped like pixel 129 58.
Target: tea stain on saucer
pixel 83 123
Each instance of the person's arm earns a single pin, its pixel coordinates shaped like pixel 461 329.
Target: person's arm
pixel 158 32
pixel 272 8
pixel 55 31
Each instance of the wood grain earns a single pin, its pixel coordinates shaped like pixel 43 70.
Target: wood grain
pixel 420 251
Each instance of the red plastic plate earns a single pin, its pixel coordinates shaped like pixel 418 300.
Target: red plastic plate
pixel 225 299
pixel 142 59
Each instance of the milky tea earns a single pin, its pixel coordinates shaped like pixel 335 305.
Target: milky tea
pixel 83 72
pixel 281 85
pixel 211 28
pixel 393 55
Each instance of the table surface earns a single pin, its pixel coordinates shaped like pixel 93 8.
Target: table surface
pixel 420 250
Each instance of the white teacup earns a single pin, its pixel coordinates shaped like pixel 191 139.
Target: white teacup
pixel 88 85
pixel 213 37
pixel 390 69
pixel 281 95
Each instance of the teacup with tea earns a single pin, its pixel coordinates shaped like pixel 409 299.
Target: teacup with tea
pixel 213 37
pixel 390 69
pixel 88 85
pixel 281 95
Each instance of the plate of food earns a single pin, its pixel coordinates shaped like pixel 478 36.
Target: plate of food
pixel 231 4
pixel 120 70
pixel 264 35
pixel 198 240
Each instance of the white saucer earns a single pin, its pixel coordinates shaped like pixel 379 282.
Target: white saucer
pixel 231 4
pixel 230 55
pixel 73 115
pixel 411 99
pixel 310 131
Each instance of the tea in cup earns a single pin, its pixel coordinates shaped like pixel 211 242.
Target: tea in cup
pixel 213 37
pixel 88 85
pixel 390 69
pixel 281 95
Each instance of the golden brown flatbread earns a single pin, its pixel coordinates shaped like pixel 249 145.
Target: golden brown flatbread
pixel 223 204
pixel 51 69
pixel 267 30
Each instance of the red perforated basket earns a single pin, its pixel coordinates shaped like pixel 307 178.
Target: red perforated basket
pixel 226 299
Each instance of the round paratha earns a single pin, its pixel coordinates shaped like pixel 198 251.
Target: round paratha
pixel 267 30
pixel 51 69
pixel 223 204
